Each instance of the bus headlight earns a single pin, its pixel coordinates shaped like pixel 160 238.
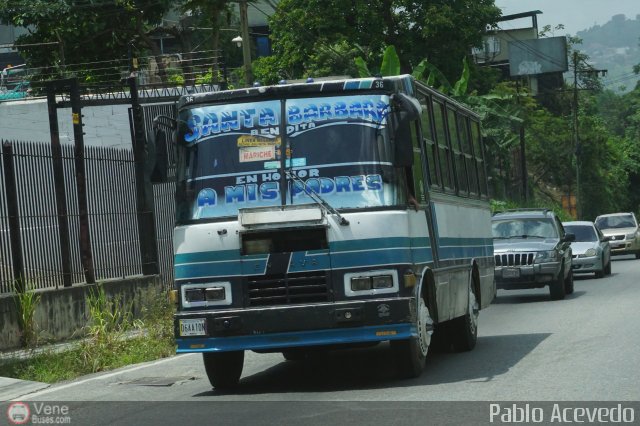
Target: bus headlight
pixel 371 282
pixel 382 281
pixel 206 294
pixel 360 283
pixel 215 293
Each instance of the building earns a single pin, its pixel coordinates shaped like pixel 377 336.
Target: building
pixel 517 50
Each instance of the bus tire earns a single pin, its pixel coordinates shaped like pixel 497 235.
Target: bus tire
pixel 464 330
pixel 410 354
pixel 223 368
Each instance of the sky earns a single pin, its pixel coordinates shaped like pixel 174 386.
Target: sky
pixel 575 15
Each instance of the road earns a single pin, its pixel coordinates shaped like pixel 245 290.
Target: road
pixel 583 348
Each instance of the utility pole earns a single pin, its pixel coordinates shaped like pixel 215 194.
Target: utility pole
pixel 576 136
pixel 246 42
pixel 523 155
pixel 576 140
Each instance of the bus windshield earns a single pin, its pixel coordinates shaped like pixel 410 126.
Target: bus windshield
pixel 231 155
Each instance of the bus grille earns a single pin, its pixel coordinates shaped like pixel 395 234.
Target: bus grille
pixel 288 289
pixel 514 259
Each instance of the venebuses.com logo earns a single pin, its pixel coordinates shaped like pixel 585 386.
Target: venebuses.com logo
pixel 18 413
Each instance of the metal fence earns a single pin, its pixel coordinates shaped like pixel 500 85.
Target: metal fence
pixel 110 183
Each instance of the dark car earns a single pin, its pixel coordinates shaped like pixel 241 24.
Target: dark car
pixel 532 250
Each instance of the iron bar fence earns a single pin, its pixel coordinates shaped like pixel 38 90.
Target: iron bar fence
pixel 113 227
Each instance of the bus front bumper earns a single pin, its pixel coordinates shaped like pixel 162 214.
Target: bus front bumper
pixel 283 327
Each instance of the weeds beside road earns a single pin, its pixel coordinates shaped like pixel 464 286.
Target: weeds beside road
pixel 113 340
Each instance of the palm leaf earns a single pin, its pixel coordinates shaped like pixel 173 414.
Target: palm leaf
pixel 390 62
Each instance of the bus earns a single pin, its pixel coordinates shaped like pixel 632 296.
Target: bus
pixel 329 214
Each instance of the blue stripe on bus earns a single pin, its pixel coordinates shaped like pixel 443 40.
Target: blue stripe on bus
pixel 203 270
pixel 351 85
pixel 297 338
pixel 378 243
pixel 208 256
pixel 371 258
pixel 457 248
pixel 309 261
pixel 342 254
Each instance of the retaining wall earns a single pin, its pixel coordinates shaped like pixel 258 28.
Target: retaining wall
pixel 61 314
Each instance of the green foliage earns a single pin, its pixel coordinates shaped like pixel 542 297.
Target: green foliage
pixel 27 302
pixel 329 58
pixel 460 88
pixel 109 320
pixel 390 62
pixel 267 70
pixel 85 33
pixel 363 69
pixel 502 205
pixel 438 29
pixel 107 346
pixel 175 77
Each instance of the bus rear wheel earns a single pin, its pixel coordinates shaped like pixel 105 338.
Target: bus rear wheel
pixel 464 330
pixel 223 368
pixel 410 354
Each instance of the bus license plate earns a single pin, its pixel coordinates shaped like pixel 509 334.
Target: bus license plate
pixel 193 327
pixel 511 273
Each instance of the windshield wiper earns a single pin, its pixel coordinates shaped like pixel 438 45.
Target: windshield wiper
pixel 317 198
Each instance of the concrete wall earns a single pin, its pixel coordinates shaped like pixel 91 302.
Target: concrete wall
pixel 61 314
pixel 28 120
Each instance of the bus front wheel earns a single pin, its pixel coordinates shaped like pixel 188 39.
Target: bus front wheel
pixel 223 368
pixel 410 354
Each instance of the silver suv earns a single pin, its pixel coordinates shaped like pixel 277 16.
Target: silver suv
pixel 622 231
pixel 532 250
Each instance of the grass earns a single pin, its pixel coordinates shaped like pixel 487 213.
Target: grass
pixel 27 300
pixel 113 340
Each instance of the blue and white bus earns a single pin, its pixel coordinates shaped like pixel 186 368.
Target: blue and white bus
pixel 327 214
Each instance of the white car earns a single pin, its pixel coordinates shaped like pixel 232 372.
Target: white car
pixel 591 250
pixel 623 232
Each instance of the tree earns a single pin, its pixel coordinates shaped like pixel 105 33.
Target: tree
pixel 441 30
pixel 215 13
pixel 85 33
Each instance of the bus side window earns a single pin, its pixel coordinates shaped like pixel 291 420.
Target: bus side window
pixel 431 148
pixel 478 154
pixel 465 143
pixel 459 159
pixel 443 149
pixel 417 169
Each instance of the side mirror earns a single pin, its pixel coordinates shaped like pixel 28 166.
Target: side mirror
pixel 404 112
pixel 157 149
pixel 569 237
pixel 606 238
